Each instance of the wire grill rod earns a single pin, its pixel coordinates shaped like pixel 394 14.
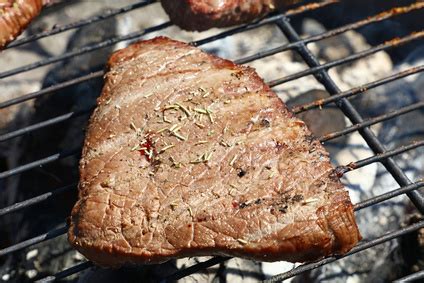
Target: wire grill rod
pixel 358 90
pixel 38 163
pixel 41 238
pixel 389 195
pixel 35 200
pixel 368 122
pixel 40 125
pixel 381 156
pixel 65 273
pixel 51 89
pixel 58 29
pixel 411 278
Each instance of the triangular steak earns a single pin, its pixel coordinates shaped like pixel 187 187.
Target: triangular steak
pixel 189 154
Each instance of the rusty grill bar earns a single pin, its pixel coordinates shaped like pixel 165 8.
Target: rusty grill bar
pixel 319 71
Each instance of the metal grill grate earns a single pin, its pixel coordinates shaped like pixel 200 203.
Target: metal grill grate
pixel 319 71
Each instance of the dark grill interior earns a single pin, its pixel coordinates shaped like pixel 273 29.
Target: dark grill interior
pixel 319 70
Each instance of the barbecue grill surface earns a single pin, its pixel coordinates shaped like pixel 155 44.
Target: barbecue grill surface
pixel 49 164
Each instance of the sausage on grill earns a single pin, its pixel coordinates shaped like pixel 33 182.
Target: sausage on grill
pixel 15 15
pixel 204 14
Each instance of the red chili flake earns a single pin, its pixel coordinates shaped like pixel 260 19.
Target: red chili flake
pixel 235 204
pixel 147 147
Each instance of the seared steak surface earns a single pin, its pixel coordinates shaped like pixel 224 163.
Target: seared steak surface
pixel 189 154
pixel 15 15
pixel 204 14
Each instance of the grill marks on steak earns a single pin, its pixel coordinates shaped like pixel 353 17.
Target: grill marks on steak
pixel 15 15
pixel 204 14
pixel 160 174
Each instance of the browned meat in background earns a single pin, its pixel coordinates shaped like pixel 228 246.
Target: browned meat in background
pixel 204 14
pixel 15 15
pixel 189 154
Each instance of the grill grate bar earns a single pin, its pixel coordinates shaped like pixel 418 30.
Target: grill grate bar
pixel 247 27
pixel 358 90
pixel 37 163
pixel 368 122
pixel 415 277
pixel 83 50
pixel 324 78
pixel 373 19
pixel 67 272
pixel 37 126
pixel 340 169
pixel 50 89
pixel 35 200
pixel 41 238
pixel 58 29
pixel 195 268
pixel 381 156
pixel 382 47
pixel 389 195
pixel 309 7
pixel 35 240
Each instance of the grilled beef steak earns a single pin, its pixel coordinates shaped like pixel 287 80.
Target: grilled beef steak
pixel 204 14
pixel 189 154
pixel 15 15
